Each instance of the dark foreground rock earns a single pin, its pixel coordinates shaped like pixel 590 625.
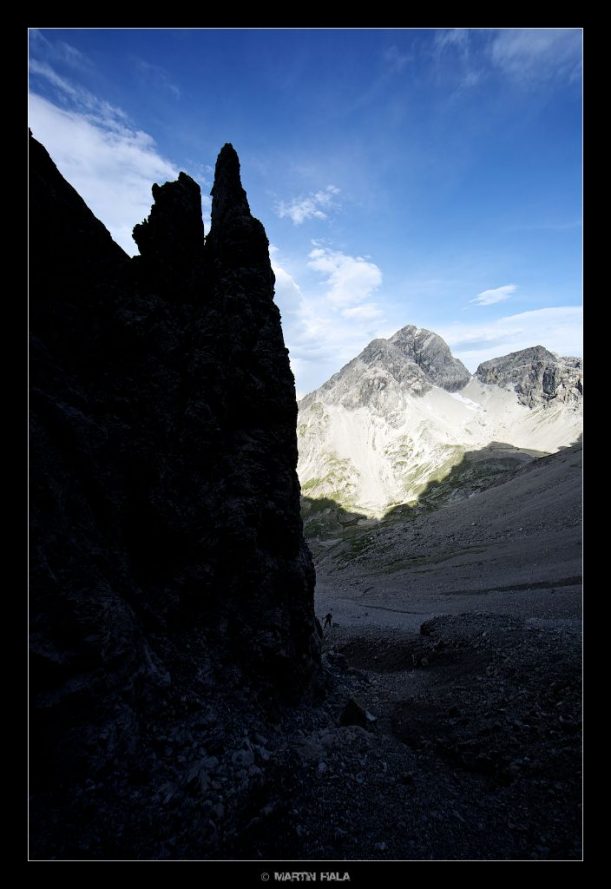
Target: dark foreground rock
pixel 167 554
pixel 476 753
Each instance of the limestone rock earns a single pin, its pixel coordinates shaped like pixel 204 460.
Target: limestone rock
pixel 536 375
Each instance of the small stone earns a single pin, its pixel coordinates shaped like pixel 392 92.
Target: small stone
pixel 264 754
pixel 210 763
pixel 243 758
pixel 353 714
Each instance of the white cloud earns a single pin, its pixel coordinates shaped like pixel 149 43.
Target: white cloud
pixel 310 206
pixel 350 279
pixel 111 165
pixel 534 54
pixel 559 329
pixel 325 329
pixel 366 312
pixel 497 295
pixel 288 292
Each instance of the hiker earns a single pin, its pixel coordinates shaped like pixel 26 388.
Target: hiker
pixel 327 621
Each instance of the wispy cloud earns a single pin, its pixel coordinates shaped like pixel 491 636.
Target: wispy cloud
pixel 111 164
pixel 452 39
pixel 313 206
pixel 57 50
pixel 558 328
pixel 395 59
pixel 527 56
pixel 546 226
pixel 456 59
pixel 532 55
pixel 496 295
pixel 157 77
pixel 95 109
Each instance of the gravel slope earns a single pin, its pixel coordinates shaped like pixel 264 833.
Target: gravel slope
pixel 512 549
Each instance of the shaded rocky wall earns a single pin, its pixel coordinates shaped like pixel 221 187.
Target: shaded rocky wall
pixel 164 494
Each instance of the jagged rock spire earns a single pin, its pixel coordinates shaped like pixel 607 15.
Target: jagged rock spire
pixel 236 239
pixel 174 230
pixel 165 499
pixel 227 192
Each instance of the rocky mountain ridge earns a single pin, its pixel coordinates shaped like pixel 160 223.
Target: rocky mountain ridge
pixel 404 412
pixel 536 375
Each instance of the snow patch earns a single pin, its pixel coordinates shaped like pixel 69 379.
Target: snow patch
pixel 472 405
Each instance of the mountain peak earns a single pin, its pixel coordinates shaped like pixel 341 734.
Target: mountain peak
pixel 536 375
pixel 432 354
pixel 411 361
pixel 227 192
pixel 402 414
pixel 236 238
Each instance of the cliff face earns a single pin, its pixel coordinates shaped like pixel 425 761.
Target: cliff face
pixel 433 356
pixel 164 494
pixel 403 413
pixel 537 376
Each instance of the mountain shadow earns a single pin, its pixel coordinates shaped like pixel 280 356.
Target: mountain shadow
pixel 477 470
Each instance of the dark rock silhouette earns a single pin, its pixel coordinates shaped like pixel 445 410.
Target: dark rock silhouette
pixel 164 495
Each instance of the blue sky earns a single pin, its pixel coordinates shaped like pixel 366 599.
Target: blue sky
pixel 428 177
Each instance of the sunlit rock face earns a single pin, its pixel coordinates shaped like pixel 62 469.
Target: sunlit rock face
pixel 404 413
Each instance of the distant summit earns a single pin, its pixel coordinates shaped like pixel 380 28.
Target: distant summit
pixel 536 375
pixel 412 360
pixel 432 355
pixel 403 413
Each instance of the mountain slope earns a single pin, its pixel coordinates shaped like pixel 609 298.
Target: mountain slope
pixel 404 412
pixel 513 548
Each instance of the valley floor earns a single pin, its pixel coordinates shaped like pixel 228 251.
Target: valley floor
pixel 514 548
pixel 460 630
